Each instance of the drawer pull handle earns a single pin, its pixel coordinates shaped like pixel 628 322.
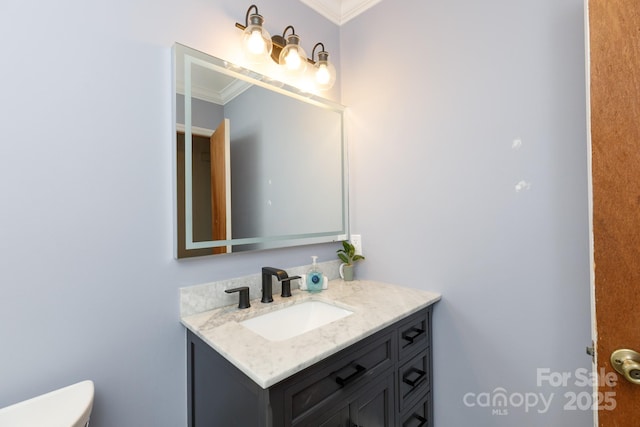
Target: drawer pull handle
pixel 414 416
pixel 412 334
pixel 359 371
pixel 422 375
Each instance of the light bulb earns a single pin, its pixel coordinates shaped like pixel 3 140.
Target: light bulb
pixel 322 75
pixel 325 73
pixel 255 43
pixel 292 60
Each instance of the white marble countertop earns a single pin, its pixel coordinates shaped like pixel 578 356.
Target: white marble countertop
pixel 375 306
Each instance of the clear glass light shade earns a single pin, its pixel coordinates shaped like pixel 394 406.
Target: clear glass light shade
pixel 256 41
pixel 324 74
pixel 293 57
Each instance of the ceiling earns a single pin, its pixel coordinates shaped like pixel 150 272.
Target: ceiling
pixel 340 11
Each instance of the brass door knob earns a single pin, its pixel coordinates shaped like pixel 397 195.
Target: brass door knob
pixel 627 363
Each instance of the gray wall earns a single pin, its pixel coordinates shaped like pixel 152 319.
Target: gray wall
pixel 89 285
pixel 277 153
pixel 204 114
pixel 437 96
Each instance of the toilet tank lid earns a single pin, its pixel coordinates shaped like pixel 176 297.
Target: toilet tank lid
pixel 66 407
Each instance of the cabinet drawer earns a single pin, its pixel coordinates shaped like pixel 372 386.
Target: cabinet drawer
pixel 372 407
pixel 334 379
pixel 419 415
pixel 413 335
pixel 413 379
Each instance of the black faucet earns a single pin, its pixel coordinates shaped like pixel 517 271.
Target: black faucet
pixel 267 291
pixel 243 299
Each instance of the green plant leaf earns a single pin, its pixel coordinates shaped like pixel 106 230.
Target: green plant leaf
pixel 348 253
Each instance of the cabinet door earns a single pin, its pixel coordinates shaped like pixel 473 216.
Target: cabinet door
pixel 218 393
pixel 413 380
pixel 414 334
pixel 340 418
pixel 374 407
pixel 419 415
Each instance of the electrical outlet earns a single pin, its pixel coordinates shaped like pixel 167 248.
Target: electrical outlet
pixel 356 241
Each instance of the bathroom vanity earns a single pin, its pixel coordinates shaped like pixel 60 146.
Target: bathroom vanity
pixel 370 368
pixel 367 362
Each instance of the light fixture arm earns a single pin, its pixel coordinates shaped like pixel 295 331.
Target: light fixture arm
pixel 293 31
pixel 313 52
pixel 281 41
pixel 246 17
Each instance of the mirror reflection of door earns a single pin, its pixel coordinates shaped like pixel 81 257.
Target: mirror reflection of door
pixel 211 190
pixel 220 179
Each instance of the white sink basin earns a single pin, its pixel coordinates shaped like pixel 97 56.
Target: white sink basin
pixel 294 320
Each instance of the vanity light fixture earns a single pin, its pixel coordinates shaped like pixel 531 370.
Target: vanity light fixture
pixel 285 50
pixel 324 71
pixel 292 57
pixel 256 41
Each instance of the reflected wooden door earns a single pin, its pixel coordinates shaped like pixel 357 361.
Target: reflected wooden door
pixel 221 186
pixel 197 142
pixel 614 38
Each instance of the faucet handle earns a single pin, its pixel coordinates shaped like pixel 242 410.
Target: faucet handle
pixel 286 286
pixel 243 299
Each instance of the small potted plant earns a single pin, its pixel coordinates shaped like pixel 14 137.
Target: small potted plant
pixel 348 257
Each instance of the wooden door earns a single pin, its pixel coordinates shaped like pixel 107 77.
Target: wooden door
pixel 614 39
pixel 221 186
pixel 200 230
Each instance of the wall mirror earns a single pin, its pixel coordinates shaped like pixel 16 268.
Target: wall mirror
pixel 258 164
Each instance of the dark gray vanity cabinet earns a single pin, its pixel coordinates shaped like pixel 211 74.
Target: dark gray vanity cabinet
pixel 383 380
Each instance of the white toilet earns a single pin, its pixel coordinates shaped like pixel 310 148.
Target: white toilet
pixel 66 407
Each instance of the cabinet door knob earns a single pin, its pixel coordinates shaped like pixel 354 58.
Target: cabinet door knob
pixel 414 416
pixel 422 375
pixel 411 334
pixel 359 371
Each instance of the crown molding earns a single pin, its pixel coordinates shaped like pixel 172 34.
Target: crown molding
pixel 340 11
pixel 220 96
